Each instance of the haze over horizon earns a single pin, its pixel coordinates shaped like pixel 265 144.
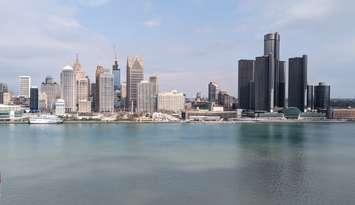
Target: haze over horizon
pixel 187 43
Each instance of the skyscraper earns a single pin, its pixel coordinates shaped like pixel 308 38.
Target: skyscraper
pixel 246 93
pixel 212 92
pixel 68 88
pixel 310 97
pixel 116 83
pixel 24 86
pixel 105 91
pixel 272 47
pixel 282 84
pixel 322 96
pixel 297 88
pixel 93 97
pixel 135 74
pixel 147 95
pixel 264 83
pixel 84 105
pixel 3 89
pixel 78 71
pixel 99 70
pixel 82 102
pixel 116 71
pixel 52 90
pixel 34 99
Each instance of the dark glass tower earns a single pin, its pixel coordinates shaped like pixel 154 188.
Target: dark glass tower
pixel 3 89
pixel 212 92
pixel 246 84
pixel 264 83
pixel 322 96
pixel 34 100
pixel 297 78
pixel 310 97
pixel 116 71
pixel 272 47
pixel 282 84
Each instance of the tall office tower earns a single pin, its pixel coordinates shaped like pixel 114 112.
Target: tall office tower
pixel 135 74
pixel 34 99
pixel 99 70
pixel 68 88
pixel 84 104
pixel 322 96
pixel 123 96
pixel 272 47
pixel 212 92
pixel 154 80
pixel 172 101
pixel 147 95
pixel 106 91
pixel 282 84
pixel 82 88
pixel 264 83
pixel 24 86
pixel 78 71
pixel 246 84
pixel 93 97
pixel 116 71
pixel 297 86
pixel 123 90
pixel 52 90
pixel 116 83
pixel 43 102
pixel 3 89
pixel 310 97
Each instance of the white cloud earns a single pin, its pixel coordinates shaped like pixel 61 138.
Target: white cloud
pixel 42 38
pixel 152 23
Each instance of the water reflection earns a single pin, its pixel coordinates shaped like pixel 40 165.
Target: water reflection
pixel 275 167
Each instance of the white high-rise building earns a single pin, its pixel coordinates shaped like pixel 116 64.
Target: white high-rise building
pixel 105 91
pixel 172 101
pixel 147 95
pixel 24 86
pixel 68 89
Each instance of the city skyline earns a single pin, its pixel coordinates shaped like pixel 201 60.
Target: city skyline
pixel 47 41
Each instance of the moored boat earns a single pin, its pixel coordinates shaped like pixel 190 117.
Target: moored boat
pixel 45 119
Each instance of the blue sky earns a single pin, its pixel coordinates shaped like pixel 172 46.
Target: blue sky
pixel 187 42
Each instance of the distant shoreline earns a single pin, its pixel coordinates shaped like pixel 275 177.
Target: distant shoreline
pixel 192 122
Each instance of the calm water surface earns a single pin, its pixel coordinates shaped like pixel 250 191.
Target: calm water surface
pixel 190 164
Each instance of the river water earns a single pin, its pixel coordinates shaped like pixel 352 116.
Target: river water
pixel 190 164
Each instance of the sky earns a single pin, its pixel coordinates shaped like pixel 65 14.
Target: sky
pixel 187 43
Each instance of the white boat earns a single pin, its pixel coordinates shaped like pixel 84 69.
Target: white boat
pixel 45 119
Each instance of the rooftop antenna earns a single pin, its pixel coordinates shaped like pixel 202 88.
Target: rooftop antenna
pixel 77 58
pixel 115 52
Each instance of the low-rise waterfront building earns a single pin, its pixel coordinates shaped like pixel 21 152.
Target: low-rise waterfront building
pixel 10 112
pixel 60 107
pixel 343 114
pixel 172 101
